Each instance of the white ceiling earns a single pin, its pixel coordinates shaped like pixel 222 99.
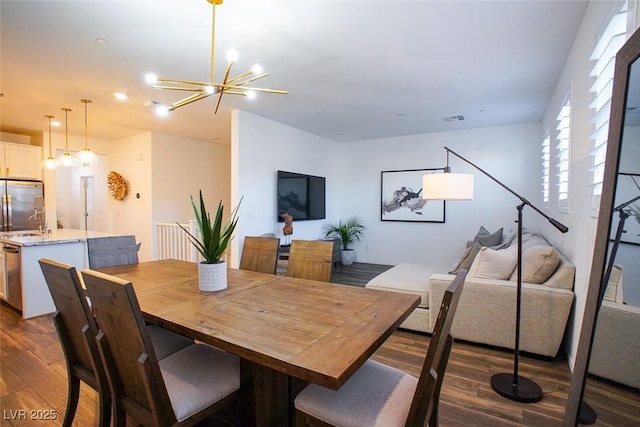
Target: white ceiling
pixel 355 70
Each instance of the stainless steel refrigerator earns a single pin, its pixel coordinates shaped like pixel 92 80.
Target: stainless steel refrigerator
pixel 20 200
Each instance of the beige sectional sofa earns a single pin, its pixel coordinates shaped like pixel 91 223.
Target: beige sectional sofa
pixel 616 344
pixel 486 311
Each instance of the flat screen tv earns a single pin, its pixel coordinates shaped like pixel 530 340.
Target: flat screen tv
pixel 301 196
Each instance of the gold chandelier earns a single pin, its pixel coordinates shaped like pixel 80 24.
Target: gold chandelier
pixel 233 86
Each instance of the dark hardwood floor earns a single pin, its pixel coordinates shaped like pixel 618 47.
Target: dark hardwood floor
pixel 357 274
pixel 33 377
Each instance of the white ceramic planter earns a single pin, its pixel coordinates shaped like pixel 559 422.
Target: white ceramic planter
pixel 212 277
pixel 347 257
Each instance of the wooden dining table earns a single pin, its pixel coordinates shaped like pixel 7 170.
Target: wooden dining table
pixel 287 332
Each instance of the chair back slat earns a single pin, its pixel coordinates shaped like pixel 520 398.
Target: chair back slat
pixel 126 348
pixel 75 321
pixel 310 259
pixel 260 254
pixel 112 251
pixel 433 370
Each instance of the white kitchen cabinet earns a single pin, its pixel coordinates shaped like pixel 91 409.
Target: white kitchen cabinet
pixel 20 161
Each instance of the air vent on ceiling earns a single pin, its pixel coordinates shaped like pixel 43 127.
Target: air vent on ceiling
pixel 453 118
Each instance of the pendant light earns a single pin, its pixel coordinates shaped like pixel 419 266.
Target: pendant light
pixel 66 160
pixel 50 162
pixel 86 157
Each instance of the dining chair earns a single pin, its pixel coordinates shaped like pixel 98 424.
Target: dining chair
pixel 260 254
pixel 310 259
pixel 182 389
pixel 380 395
pixel 112 251
pixel 77 330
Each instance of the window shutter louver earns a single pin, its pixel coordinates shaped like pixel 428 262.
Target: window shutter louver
pixel 608 45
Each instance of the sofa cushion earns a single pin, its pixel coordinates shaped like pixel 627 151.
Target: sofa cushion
pixel 494 264
pixel 407 278
pixel 564 275
pixel 467 258
pixel 613 292
pixel 538 263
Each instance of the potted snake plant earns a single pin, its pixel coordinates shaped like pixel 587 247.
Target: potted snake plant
pixel 212 243
pixel 349 232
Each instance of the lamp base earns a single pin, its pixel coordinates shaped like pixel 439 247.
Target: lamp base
pixel 526 391
pixel 586 414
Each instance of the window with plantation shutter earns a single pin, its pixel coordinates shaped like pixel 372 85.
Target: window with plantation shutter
pixel 563 149
pixel 546 169
pixel 610 41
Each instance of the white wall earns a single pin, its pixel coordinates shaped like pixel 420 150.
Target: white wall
pixel 509 153
pixel 70 196
pixel 131 158
pixel 578 243
pixel 180 168
pixel 261 147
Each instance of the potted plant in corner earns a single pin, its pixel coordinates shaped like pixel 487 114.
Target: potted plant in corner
pixel 212 244
pixel 348 232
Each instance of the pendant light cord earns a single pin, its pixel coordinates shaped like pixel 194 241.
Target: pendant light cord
pixel 48 116
pixel 66 130
pixel 86 138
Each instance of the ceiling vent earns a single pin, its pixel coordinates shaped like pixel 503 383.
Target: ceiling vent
pixel 453 118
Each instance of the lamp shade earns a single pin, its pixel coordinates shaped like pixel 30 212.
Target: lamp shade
pixel 447 186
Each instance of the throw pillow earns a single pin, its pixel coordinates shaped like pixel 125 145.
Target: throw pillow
pixel 613 292
pixel 486 238
pixel 494 264
pixel 507 239
pixel 538 264
pixel 467 258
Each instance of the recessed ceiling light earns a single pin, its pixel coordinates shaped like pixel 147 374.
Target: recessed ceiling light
pixel 102 42
pixel 55 123
pixel 121 96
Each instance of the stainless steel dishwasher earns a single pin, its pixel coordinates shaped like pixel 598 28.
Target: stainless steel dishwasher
pixel 14 279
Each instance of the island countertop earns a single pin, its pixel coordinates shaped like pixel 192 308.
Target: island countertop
pixel 57 236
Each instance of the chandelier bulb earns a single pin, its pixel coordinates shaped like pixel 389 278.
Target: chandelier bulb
pixel 151 78
pixel 232 56
pixel 162 110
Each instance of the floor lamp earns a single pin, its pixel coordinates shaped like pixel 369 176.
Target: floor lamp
pixel 450 186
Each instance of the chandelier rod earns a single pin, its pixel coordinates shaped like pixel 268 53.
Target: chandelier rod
pixel 213 39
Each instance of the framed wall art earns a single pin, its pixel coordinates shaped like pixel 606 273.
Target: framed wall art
pixel 402 200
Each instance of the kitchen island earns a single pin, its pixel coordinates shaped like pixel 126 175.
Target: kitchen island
pixel 24 286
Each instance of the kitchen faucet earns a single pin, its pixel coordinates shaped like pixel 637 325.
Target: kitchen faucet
pixel 39 215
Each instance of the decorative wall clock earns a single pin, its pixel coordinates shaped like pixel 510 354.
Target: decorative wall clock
pixel 117 185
